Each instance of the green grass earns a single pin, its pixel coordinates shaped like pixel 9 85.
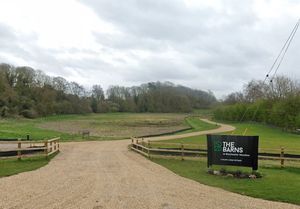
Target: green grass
pixel 10 167
pixel 104 126
pixel 277 184
pixel 269 137
pixel 197 125
pixel 19 128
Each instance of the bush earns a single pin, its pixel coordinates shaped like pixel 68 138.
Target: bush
pixel 284 113
pixel 29 114
pixel 4 111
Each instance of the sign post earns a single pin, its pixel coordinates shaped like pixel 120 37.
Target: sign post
pixel 232 150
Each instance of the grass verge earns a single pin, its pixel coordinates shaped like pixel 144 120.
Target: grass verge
pixel 276 184
pixel 13 166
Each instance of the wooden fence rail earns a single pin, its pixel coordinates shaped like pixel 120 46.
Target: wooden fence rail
pixel 184 150
pixel 28 148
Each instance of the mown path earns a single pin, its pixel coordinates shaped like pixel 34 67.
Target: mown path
pixel 96 175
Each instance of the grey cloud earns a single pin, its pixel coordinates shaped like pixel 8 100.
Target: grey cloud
pixel 25 47
pixel 155 68
pixel 159 20
pixel 130 42
pixel 6 33
pixel 232 46
pixel 216 49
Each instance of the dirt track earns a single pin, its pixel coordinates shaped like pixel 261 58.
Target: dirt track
pixel 106 175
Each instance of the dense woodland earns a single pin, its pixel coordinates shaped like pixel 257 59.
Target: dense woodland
pixel 31 93
pixel 275 102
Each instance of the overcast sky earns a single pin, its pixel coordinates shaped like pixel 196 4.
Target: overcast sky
pixel 210 45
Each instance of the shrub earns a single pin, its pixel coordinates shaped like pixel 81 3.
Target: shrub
pixel 29 113
pixel 223 171
pixel 257 174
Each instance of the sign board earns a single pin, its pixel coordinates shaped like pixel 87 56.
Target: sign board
pixel 232 150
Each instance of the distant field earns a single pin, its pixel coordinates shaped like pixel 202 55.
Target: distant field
pixel 101 126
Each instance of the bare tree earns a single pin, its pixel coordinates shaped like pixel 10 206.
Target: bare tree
pixel 234 98
pixel 255 90
pixel 97 92
pixel 282 87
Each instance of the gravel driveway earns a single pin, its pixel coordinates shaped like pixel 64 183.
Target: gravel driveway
pixel 96 175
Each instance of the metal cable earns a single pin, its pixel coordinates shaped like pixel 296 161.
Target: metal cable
pixel 286 46
pixel 281 55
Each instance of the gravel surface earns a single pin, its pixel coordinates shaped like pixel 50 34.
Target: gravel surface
pixel 98 175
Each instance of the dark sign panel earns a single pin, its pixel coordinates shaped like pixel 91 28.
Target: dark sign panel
pixel 232 150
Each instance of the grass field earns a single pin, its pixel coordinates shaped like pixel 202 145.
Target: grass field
pixel 10 167
pixel 101 126
pixel 276 184
pixel 269 137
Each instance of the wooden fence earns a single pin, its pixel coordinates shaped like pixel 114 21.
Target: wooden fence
pixel 20 149
pixel 151 148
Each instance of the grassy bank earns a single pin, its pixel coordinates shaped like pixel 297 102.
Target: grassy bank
pixel 10 167
pixel 277 184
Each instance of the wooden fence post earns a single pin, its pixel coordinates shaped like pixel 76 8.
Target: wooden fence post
pixel 19 149
pixel 199 151
pixel 51 146
pixel 46 148
pixel 282 157
pixel 28 138
pixel 148 149
pixel 182 153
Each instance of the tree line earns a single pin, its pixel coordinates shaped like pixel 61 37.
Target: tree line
pixel 275 102
pixel 31 93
